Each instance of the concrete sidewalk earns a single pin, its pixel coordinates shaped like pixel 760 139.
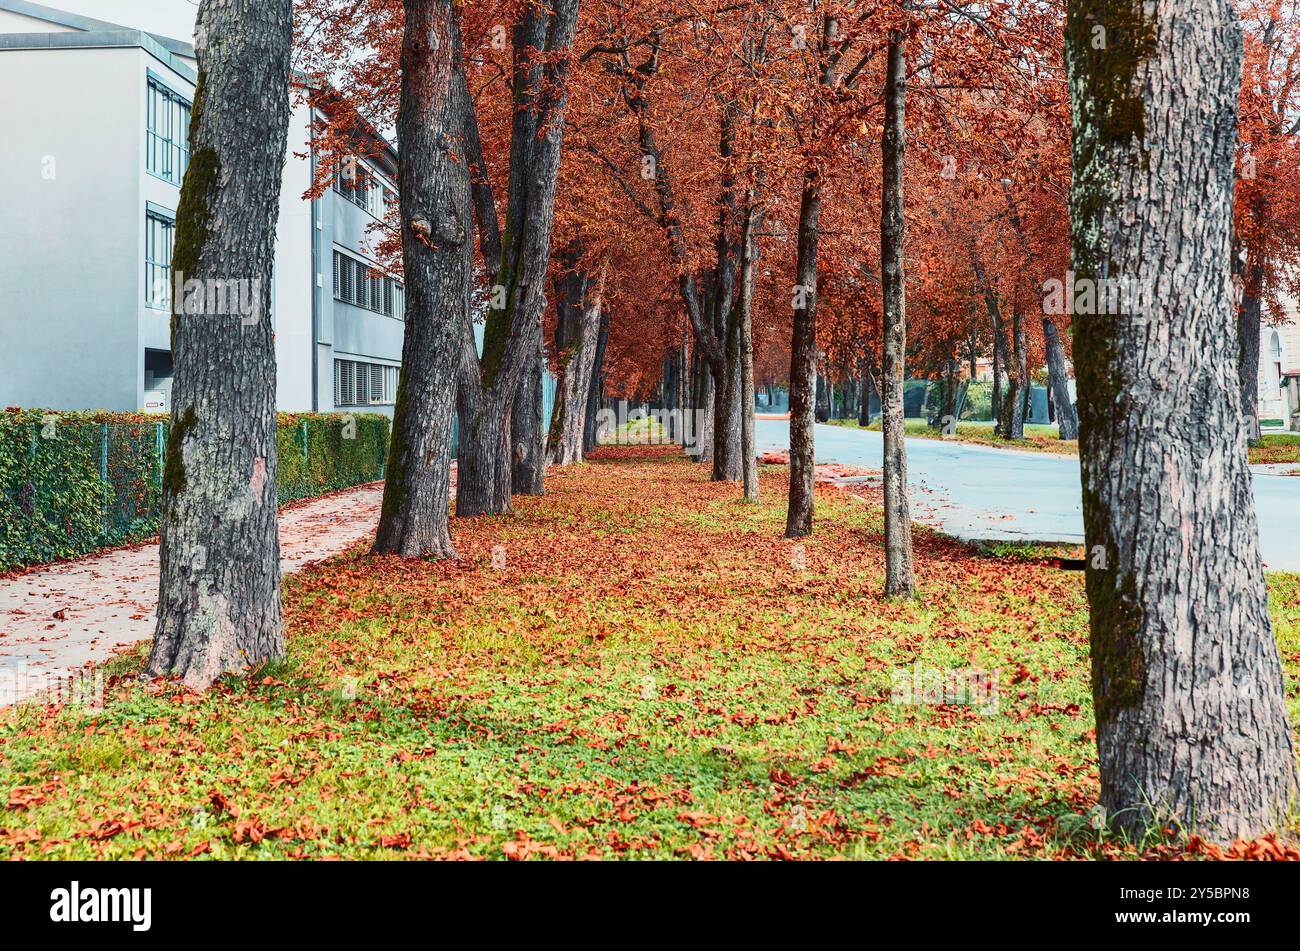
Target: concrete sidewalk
pixel 56 620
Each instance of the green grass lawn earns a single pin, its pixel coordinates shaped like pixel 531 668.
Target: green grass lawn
pixel 1277 447
pixel 1038 437
pixel 653 673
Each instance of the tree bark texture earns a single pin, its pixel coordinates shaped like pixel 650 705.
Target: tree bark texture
pixel 1066 418
pixel 1248 325
pixel 527 437
pixel 219 604
pixel 596 392
pixel 434 187
pixel 803 363
pixel 512 333
pixel 577 334
pixel 745 309
pixel 1187 680
pixel 899 580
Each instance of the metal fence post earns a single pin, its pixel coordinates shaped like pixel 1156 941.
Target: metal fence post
pixel 103 475
pixel 160 449
pixel 305 457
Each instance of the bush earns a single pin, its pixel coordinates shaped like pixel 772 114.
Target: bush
pixel 71 483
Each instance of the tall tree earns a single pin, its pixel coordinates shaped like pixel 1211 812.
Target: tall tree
pixel 803 333
pixel 579 302
pixel 899 580
pixel 1187 680
pixel 219 588
pixel 434 192
pixel 543 46
pixel 745 319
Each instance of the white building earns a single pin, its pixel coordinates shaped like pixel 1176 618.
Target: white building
pixel 1279 373
pixel 93 148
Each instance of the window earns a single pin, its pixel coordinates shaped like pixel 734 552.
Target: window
pixel 159 232
pixel 1275 354
pixel 364 384
pixel 167 136
pixel 363 188
pixel 354 284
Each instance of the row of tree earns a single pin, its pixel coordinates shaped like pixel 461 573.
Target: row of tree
pixel 728 170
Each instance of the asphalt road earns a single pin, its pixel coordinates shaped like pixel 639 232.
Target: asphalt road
pixel 980 492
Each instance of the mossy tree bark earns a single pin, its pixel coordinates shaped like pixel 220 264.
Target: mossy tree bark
pixel 899 580
pixel 434 188
pixel 527 437
pixel 543 47
pixel 1191 715
pixel 219 605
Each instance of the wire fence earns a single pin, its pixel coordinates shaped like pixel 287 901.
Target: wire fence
pixel 70 484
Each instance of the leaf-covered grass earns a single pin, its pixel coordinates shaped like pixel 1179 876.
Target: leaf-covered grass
pixel 652 673
pixel 1277 447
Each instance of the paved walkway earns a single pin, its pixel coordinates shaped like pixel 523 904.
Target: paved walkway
pixel 984 492
pixel 56 620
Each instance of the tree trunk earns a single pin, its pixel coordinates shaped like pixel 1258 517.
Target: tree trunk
pixel 868 387
pixel 899 581
pixel 219 586
pixel 822 409
pixel 703 388
pixel 727 382
pixel 577 361
pixel 1187 680
pixel 952 393
pixel 726 422
pixel 512 332
pixel 995 401
pixel 596 389
pixel 1004 399
pixel 803 363
pixel 685 423
pixel 803 334
pixel 435 194
pixel 1019 378
pixel 1066 419
pixel 527 437
pixel 1248 324
pixel 745 306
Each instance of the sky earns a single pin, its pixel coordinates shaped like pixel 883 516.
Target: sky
pixel 173 18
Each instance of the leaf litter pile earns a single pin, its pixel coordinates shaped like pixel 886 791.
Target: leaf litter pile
pixel 634 665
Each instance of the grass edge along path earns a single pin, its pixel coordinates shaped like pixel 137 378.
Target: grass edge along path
pixel 1273 448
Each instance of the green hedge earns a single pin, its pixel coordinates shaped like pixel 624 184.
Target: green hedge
pixel 71 483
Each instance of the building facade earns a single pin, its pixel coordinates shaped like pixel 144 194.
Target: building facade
pixel 96 118
pixel 1279 373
